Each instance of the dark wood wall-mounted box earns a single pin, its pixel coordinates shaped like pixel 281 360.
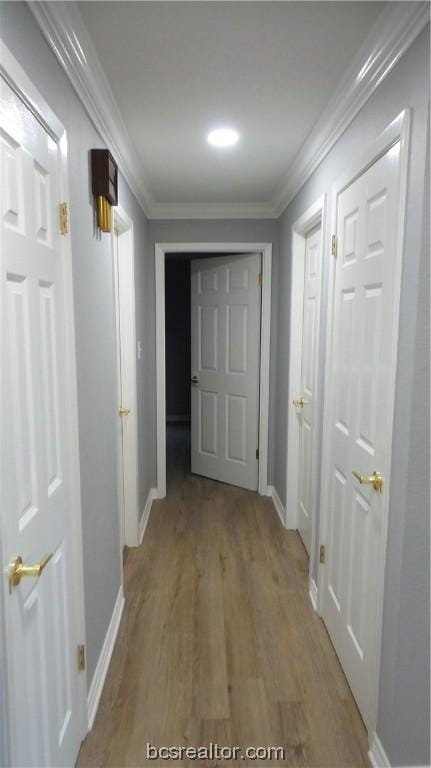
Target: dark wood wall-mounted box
pixel 104 175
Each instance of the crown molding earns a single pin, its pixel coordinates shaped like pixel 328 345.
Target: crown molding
pixel 212 211
pixel 394 31
pixel 63 27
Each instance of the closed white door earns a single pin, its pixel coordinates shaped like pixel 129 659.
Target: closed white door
pixel 362 367
pixel 306 406
pixel 225 330
pixel 35 457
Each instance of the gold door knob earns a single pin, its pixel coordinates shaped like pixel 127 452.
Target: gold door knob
pixel 123 411
pixel 17 570
pixel 195 380
pixel 376 480
pixel 300 402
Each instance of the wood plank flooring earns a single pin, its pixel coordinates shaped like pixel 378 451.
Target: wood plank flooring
pixel 219 642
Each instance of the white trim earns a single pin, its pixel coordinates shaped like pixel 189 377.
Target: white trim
pixel 278 504
pixel 398 130
pixel 18 79
pixel 64 29
pixel 237 210
pixel 160 250
pixel 118 434
pixel 378 757
pixel 160 369
pixel 393 32
pixel 152 494
pixel 314 216
pixel 376 753
pixel 123 224
pixel 102 665
pixel 313 592
pixel 311 218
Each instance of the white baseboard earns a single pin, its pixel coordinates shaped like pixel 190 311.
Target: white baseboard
pixel 101 670
pixel 277 504
pixel 377 755
pixel 152 494
pixel 313 594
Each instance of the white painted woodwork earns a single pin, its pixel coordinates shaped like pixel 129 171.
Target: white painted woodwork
pixel 365 323
pixel 160 250
pixel 225 331
pixel 63 25
pixel 308 388
pixel 120 441
pixel 127 436
pixel 36 453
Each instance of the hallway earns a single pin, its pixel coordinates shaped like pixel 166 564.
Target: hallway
pixel 219 642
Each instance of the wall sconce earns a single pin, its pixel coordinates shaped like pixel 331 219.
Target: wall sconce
pixel 104 173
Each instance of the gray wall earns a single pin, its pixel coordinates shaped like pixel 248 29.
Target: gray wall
pixel 127 201
pixel 178 337
pixel 95 329
pixel 403 722
pixel 201 231
pixel 404 696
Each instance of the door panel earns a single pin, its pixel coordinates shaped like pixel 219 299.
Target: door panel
pixel 225 329
pixel 41 650
pixel 363 340
pixel 307 414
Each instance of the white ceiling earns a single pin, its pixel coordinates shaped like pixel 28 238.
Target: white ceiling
pixel 177 69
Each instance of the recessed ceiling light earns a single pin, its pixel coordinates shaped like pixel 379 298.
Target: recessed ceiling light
pixel 223 137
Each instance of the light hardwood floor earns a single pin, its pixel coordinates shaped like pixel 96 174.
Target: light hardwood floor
pixel 219 642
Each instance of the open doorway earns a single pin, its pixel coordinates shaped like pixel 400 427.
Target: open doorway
pixel 185 396
pixel 212 321
pixel 178 366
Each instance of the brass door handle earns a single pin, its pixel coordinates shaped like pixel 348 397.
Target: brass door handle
pixel 194 380
pixel 123 411
pixel 17 570
pixel 300 402
pixel 376 480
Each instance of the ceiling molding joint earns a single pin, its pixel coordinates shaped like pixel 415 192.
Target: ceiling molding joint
pixel 394 31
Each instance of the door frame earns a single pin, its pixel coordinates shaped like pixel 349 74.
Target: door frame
pixel 314 216
pixel 397 130
pixel 128 482
pixel 20 82
pixel 265 249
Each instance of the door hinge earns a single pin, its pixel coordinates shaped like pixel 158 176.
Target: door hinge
pixel 260 279
pixel 334 245
pixel 63 218
pixel 257 453
pixel 322 553
pixel 81 657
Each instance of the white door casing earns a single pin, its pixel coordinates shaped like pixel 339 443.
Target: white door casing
pixel 313 218
pixel 40 465
pixel 127 443
pixel 160 250
pixel 307 413
pixel 225 350
pixel 361 363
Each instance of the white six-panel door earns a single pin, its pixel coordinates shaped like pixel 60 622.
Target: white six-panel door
pixel 306 412
pixel 364 327
pixel 35 460
pixel 225 332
